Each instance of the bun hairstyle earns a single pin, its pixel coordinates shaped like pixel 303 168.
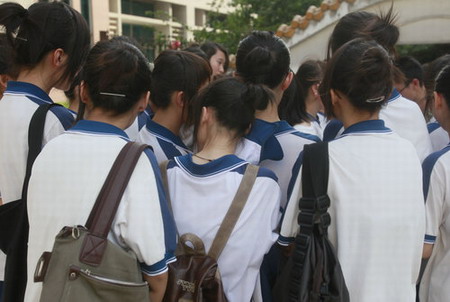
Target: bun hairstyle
pixel 262 58
pixel 177 71
pixel 362 71
pixel 116 74
pixel 233 101
pixel 362 24
pixel 42 28
pixel 443 84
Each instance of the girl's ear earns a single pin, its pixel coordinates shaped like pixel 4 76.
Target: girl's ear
pixel 205 116
pixel 143 102
pixel 315 90
pixel 287 81
pixel 335 97
pixel 179 98
pixel 59 57
pixel 438 101
pixel 83 93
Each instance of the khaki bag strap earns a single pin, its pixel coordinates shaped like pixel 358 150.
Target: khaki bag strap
pixel 163 167
pixel 233 213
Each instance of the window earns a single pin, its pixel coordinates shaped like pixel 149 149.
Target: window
pixel 137 8
pixel 86 11
pixel 144 35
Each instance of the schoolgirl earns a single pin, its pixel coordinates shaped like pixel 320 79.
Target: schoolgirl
pixel 400 114
pixel 51 43
pixel 115 89
pixel 48 42
pixel 202 185
pixel 301 103
pixel 436 170
pixel 438 135
pixel 263 58
pixel 377 211
pixel 176 78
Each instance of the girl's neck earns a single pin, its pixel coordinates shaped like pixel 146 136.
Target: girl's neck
pixel 36 79
pixel 167 119
pixel 122 121
pixel 312 107
pixel 357 118
pixel 270 114
pixel 216 147
pixel 42 76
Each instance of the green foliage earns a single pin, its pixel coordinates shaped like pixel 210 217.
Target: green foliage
pixel 423 53
pixel 249 15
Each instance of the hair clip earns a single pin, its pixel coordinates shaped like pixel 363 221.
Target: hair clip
pixel 22 39
pixel 113 94
pixel 375 100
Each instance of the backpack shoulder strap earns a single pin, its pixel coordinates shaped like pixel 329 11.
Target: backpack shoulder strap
pixel 314 202
pixel 233 213
pixel 163 167
pixel 107 203
pixel 315 170
pixel 35 137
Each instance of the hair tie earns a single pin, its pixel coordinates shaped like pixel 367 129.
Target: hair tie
pixel 113 94
pixel 375 100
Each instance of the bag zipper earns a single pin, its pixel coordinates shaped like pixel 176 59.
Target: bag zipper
pixel 75 270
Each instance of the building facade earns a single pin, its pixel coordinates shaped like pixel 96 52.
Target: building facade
pixel 153 23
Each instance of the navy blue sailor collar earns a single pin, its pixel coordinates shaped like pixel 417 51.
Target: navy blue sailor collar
pixel 217 166
pixel 94 127
pixel 163 132
pixel 370 126
pixel 32 91
pixel 394 95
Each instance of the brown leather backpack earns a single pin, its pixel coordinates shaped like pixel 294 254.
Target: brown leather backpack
pixel 195 276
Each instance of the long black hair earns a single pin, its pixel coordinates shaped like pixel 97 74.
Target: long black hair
pixel 44 27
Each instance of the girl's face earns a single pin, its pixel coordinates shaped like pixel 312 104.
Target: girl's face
pixel 217 62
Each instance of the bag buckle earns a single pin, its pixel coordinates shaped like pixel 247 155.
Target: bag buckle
pixel 307 204
pixel 305 218
pixel 323 203
pixel 41 267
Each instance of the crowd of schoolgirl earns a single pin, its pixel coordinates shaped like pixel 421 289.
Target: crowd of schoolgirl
pixel 210 125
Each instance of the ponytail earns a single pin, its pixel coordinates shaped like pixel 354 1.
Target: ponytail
pixel 234 103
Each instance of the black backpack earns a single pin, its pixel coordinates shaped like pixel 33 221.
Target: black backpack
pixel 312 272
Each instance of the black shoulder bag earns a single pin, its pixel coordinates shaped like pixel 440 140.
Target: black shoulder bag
pixel 313 272
pixel 14 218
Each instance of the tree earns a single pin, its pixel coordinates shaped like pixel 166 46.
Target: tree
pixel 248 15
